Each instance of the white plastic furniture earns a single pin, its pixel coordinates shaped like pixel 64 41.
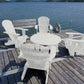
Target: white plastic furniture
pixel 24 24
pixel 14 37
pixel 75 43
pixel 43 25
pixel 47 39
pixel 37 57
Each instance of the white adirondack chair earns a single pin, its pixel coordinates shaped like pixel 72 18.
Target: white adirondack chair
pixel 37 57
pixel 14 37
pixel 75 43
pixel 43 25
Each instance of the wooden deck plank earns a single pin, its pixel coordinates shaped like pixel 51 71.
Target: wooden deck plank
pixel 11 59
pixel 1 67
pixel 29 82
pixel 3 80
pixel 30 77
pixel 69 71
pixel 34 81
pixel 2 62
pixel 61 78
pixel 19 62
pixel 77 66
pixel 74 71
pixel 80 60
pixel 18 78
pixel 11 79
pixel 40 76
pixel 22 61
pixel 13 66
pixel 7 64
pixel 54 78
pixel 71 74
pixel 63 73
pixel 63 34
pixel 50 81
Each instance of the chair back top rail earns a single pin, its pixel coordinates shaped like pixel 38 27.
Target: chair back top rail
pixel 43 23
pixel 24 23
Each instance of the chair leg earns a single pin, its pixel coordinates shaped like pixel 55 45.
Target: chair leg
pixel 24 71
pixel 47 76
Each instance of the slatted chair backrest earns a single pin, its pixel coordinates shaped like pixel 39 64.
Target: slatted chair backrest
pixel 8 26
pixel 24 23
pixel 43 23
pixel 75 46
pixel 36 55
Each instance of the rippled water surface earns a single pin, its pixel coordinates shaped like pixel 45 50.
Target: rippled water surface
pixel 61 12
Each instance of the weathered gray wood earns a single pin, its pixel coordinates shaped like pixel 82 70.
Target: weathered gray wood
pixel 3 80
pixel 18 78
pixel 80 60
pixel 24 20
pixel 7 63
pixel 24 23
pixel 74 71
pixel 40 76
pixel 60 58
pixel 11 79
pixel 11 72
pixel 64 74
pixel 29 82
pixel 54 78
pixel 2 62
pixel 50 81
pixel 12 60
pixel 34 81
pixel 76 66
pixel 61 78
pixel 20 61
pixel 71 74
pixel 1 67
pixel 2 50
pixel 68 70
pixel 2 39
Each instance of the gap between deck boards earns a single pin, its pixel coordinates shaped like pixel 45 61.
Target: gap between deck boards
pixel 21 69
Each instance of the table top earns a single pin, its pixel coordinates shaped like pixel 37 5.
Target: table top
pixel 45 39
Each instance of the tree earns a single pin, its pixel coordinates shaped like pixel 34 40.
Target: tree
pixel 2 0
pixel 50 0
pixel 20 0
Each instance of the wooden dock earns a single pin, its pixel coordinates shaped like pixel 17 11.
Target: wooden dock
pixel 66 70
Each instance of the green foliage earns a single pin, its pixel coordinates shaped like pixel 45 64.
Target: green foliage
pixel 2 0
pixel 72 0
pixel 20 0
pixel 50 0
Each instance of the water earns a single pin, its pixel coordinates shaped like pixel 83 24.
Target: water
pixel 58 12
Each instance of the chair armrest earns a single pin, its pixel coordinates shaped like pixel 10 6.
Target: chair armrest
pixel 51 27
pixel 36 26
pixel 71 34
pixel 12 33
pixel 23 30
pixel 19 28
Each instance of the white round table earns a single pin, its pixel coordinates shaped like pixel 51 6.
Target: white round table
pixel 48 39
pixel 45 39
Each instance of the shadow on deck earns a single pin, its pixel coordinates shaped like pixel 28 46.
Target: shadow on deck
pixel 65 71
